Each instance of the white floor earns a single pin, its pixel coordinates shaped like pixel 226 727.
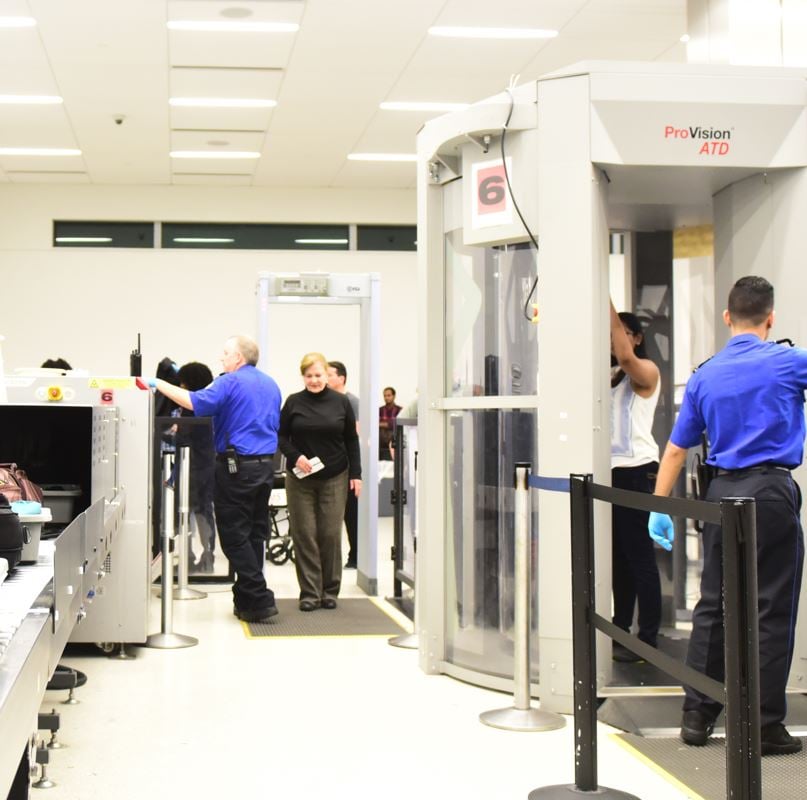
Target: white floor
pixel 298 719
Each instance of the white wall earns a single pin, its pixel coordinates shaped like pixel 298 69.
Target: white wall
pixel 87 305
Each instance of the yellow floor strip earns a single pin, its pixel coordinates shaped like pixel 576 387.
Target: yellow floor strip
pixel 626 745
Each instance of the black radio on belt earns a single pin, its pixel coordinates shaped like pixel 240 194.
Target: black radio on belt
pixel 231 457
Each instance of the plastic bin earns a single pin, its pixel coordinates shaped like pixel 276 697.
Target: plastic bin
pixel 60 499
pixel 34 523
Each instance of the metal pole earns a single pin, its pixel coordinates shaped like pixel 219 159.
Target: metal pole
pixel 521 716
pixel 406 641
pixel 183 592
pixel 166 639
pixel 741 649
pixel 584 653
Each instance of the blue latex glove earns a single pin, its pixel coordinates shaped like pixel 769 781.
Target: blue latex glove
pixel 661 530
pixel 152 382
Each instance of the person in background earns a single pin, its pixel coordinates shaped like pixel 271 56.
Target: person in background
pixel 337 380
pixel 245 405
pixel 635 388
pixel 166 371
pixel 386 424
pixel 749 398
pixel 318 423
pixel 195 376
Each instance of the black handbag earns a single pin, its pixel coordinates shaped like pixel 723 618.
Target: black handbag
pixel 12 534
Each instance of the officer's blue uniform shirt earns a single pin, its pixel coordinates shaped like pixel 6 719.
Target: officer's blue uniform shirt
pixel 750 398
pixel 245 406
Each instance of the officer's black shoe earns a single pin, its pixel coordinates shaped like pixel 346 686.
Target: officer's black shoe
pixel 623 655
pixel 696 728
pixel 776 741
pixel 308 605
pixel 256 615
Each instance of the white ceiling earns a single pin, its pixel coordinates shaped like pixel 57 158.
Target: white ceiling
pixel 110 58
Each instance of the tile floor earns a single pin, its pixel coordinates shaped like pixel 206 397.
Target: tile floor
pixel 299 719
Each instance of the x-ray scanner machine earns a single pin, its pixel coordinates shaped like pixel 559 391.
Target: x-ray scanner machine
pixel 590 149
pixel 338 289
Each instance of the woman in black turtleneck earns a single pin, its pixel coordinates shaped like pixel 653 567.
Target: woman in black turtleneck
pixel 318 422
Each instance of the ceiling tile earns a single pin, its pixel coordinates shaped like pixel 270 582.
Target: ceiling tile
pixel 42 163
pixel 221 119
pixel 214 82
pixel 203 49
pixel 230 140
pixel 212 166
pixel 211 180
pixel 259 10
pixel 35 126
pixel 552 14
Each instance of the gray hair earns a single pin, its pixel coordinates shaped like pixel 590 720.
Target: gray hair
pixel 248 348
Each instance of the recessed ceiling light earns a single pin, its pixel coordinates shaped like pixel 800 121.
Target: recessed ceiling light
pixel 685 38
pixel 17 22
pixel 213 154
pixel 400 105
pixel 222 102
pixel 492 33
pixel 233 27
pixel 201 240
pixel 382 157
pixel 29 99
pixel 88 239
pixel 320 241
pixel 38 151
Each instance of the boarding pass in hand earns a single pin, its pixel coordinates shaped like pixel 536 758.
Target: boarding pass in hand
pixel 316 466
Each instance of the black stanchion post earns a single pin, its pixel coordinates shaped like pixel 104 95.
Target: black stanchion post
pixel 584 652
pixel 741 650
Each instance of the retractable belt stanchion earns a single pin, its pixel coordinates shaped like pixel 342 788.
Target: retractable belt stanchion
pixel 407 641
pixel 166 639
pixel 521 716
pixel 740 694
pixel 183 591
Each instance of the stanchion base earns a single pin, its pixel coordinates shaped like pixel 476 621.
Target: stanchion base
pixel 170 641
pixel 408 641
pixel 123 654
pixel 564 792
pixel 522 719
pixel 189 594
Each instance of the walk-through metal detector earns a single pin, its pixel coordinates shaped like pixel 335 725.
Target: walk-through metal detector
pixel 590 149
pixel 337 289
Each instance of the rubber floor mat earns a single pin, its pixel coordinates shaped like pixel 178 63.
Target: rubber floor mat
pixel 353 616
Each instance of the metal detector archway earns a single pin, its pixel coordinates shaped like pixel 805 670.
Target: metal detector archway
pixel 336 289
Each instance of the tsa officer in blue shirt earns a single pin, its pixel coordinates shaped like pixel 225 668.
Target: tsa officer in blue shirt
pixel 749 398
pixel 245 405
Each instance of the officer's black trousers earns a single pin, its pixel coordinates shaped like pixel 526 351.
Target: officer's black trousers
pixel 242 518
pixel 780 556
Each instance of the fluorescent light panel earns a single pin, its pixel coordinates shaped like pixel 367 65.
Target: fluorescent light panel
pixel 17 22
pixel 320 241
pixel 401 105
pixel 458 32
pixel 233 27
pixel 382 157
pixel 30 100
pixel 87 239
pixel 242 154
pixel 222 102
pixel 38 151
pixel 201 240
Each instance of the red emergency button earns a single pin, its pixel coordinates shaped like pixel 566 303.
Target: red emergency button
pixel 55 393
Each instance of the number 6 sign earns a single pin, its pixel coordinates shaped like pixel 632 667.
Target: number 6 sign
pixel 491 203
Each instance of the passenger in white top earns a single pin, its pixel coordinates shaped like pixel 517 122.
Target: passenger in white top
pixel 635 386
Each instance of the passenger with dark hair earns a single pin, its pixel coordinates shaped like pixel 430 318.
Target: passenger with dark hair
pixel 56 363
pixel 749 398
pixel 337 380
pixel 635 388
pixel 193 377
pixel 386 423
pixel 166 371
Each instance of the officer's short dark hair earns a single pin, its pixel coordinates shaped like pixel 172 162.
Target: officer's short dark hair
pixel 340 369
pixel 750 300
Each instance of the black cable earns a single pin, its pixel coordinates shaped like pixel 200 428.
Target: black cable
pixel 529 317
